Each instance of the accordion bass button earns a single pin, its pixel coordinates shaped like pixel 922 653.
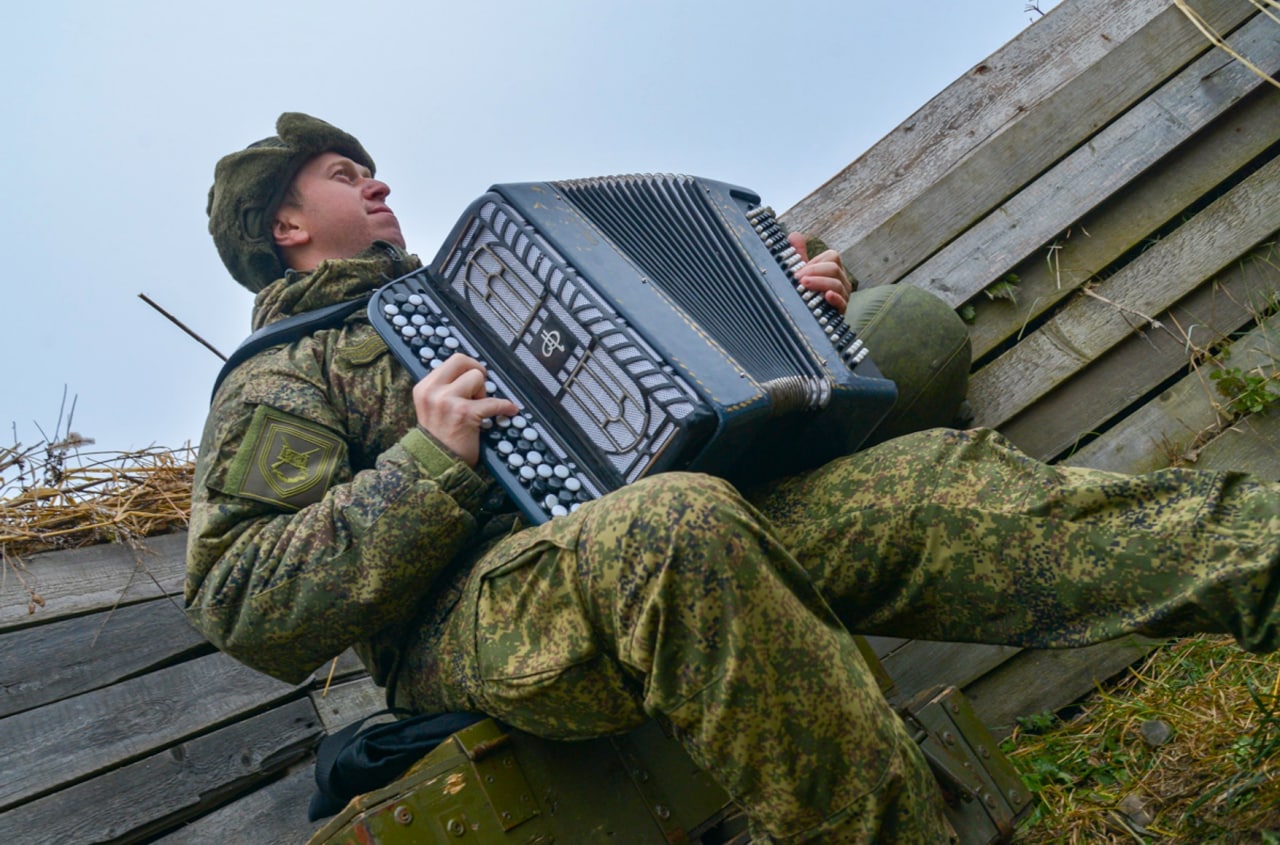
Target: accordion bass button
pixel 573 485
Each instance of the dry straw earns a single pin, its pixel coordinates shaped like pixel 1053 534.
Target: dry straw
pixel 1185 750
pixel 1214 36
pixel 53 496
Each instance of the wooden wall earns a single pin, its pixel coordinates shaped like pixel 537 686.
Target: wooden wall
pixel 1122 173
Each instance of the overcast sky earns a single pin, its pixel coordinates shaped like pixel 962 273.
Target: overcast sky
pixel 116 112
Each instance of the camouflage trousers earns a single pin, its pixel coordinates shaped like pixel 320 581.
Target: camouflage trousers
pixel 728 616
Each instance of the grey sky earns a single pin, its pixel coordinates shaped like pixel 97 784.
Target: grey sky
pixel 116 113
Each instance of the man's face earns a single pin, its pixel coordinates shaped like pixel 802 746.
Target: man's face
pixel 341 208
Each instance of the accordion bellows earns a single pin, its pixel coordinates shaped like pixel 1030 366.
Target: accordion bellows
pixel 643 324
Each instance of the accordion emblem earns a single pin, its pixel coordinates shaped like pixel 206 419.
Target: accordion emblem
pixel 642 324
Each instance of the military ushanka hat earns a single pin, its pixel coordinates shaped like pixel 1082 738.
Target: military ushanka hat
pixel 249 185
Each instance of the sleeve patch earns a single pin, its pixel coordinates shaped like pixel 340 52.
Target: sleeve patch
pixel 284 460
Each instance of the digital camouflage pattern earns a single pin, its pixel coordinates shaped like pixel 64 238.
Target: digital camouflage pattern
pixel 283 579
pixel 723 615
pixel 957 536
pixel 671 598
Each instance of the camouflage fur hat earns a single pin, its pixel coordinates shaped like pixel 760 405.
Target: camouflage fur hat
pixel 249 185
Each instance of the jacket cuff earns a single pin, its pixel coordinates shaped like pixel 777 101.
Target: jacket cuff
pixel 453 475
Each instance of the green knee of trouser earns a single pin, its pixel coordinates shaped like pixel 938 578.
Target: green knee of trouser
pixel 920 343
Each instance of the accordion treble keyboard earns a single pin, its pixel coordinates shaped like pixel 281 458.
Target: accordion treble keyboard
pixel 642 324
pixel 521 452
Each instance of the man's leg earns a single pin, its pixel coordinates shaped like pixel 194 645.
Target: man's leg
pixel 669 599
pixel 957 536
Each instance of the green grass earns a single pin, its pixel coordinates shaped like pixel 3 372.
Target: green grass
pixel 1215 780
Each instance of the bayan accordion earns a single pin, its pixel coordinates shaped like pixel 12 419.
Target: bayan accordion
pixel 642 324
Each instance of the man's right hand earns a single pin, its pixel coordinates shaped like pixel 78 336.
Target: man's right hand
pixel 450 403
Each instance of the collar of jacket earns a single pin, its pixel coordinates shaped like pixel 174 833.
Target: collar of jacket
pixel 336 280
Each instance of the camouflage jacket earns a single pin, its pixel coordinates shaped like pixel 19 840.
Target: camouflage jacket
pixel 322 516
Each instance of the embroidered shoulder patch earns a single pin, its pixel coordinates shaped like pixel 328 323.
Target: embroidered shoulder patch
pixel 284 460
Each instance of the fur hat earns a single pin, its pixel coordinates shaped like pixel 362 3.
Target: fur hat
pixel 249 185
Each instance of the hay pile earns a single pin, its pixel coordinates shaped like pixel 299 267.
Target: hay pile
pixel 55 496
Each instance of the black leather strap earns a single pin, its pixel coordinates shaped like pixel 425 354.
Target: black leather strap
pixel 286 331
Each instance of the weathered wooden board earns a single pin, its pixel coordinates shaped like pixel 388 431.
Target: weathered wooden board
pixel 95 578
pixel 1252 443
pixel 47 662
pixel 1121 152
pixel 348 701
pixel 1128 218
pixel 1037 680
pixel 1005 89
pixel 1088 326
pixel 919 664
pixel 46 748
pixel 1065 118
pixel 1173 425
pixel 130 803
pixel 1142 362
pixel 276 813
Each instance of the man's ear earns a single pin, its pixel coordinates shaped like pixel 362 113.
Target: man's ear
pixel 289 230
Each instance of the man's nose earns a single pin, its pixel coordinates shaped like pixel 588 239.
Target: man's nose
pixel 376 189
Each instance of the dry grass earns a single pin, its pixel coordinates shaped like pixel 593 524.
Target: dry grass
pixel 53 496
pixel 1215 780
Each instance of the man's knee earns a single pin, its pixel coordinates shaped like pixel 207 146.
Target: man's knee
pixel 675 501
pixel 672 522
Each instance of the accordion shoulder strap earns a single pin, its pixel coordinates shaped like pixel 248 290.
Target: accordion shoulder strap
pixel 286 331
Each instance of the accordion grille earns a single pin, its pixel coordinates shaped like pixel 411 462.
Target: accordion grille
pixel 591 365
pixel 687 251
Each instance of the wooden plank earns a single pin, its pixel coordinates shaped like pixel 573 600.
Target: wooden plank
pixel 922 664
pixel 274 813
pixel 1252 444
pixel 95 578
pixel 1064 119
pixel 155 793
pixel 47 748
pixel 996 94
pixel 1112 383
pixel 1088 326
pixel 1115 156
pixel 1129 217
pixel 348 701
pixel 1174 424
pixel 48 662
pixel 1049 679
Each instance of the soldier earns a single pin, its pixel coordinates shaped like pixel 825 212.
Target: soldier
pixel 337 504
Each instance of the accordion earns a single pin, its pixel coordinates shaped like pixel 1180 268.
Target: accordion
pixel 642 324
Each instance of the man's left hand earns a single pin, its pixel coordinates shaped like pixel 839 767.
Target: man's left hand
pixel 824 274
